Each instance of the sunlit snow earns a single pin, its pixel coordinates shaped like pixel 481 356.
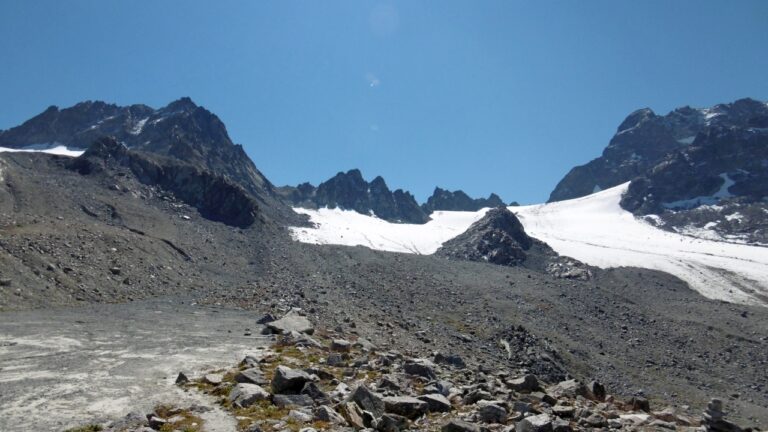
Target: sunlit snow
pixel 55 148
pixel 593 229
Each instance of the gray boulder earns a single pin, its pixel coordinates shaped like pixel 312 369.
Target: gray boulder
pixel 244 395
pixel 392 423
pixel 537 423
pixel 527 383
pixel 420 367
pixel 367 400
pixel 406 406
pixel 292 321
pixel 251 376
pixel 289 381
pixel 327 414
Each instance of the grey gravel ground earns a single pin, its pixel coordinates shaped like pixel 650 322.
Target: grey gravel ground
pixel 65 367
pixel 61 235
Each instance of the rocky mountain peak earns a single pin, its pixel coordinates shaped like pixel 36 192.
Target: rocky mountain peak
pixel 442 199
pixel 635 119
pixel 644 139
pixel 183 104
pixel 350 191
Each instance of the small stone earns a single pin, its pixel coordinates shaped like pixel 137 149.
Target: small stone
pixel 405 406
pixel 450 359
pixel 181 379
pixel 327 414
pixel 335 359
pixel 353 414
pixel 155 422
pixel 436 402
pixel 568 388
pixel 597 390
pixel 252 375
pixel 300 416
pixel 564 411
pixel 341 345
pixel 268 318
pixel 365 345
pixel 596 421
pixel 639 403
pixel 392 423
pixel 213 379
pixel 537 423
pixel 527 383
pixel 420 367
pixel 459 426
pixel 492 413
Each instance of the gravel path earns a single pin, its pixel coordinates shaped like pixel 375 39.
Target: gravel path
pixel 65 367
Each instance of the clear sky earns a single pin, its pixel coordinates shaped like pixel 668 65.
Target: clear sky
pixel 501 96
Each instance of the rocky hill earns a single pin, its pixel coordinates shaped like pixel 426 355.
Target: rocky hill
pixel 180 130
pixel 442 199
pixel 499 238
pixel 644 139
pixel 350 191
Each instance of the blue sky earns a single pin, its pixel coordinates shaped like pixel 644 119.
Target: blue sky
pixel 499 96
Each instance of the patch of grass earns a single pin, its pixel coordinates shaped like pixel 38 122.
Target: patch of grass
pixel 262 410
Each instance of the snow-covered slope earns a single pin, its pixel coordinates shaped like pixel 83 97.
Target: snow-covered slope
pixel 593 229
pixel 55 148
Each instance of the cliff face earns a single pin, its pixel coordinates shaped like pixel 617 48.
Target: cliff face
pixel 215 197
pixel 644 139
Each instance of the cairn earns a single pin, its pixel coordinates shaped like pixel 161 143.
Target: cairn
pixel 714 418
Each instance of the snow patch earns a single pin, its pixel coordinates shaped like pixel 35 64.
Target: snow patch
pixel 138 127
pixel 687 140
pixel 593 229
pixel 54 148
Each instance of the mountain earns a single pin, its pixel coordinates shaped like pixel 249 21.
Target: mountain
pixel 644 139
pixel 442 199
pixel 181 130
pixel 350 191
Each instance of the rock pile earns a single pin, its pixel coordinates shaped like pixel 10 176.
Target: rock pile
pixel 294 386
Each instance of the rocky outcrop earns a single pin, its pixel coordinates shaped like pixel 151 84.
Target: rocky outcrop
pixel 499 238
pixel 442 199
pixel 721 164
pixel 215 197
pixel 644 139
pixel 181 130
pixel 350 191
